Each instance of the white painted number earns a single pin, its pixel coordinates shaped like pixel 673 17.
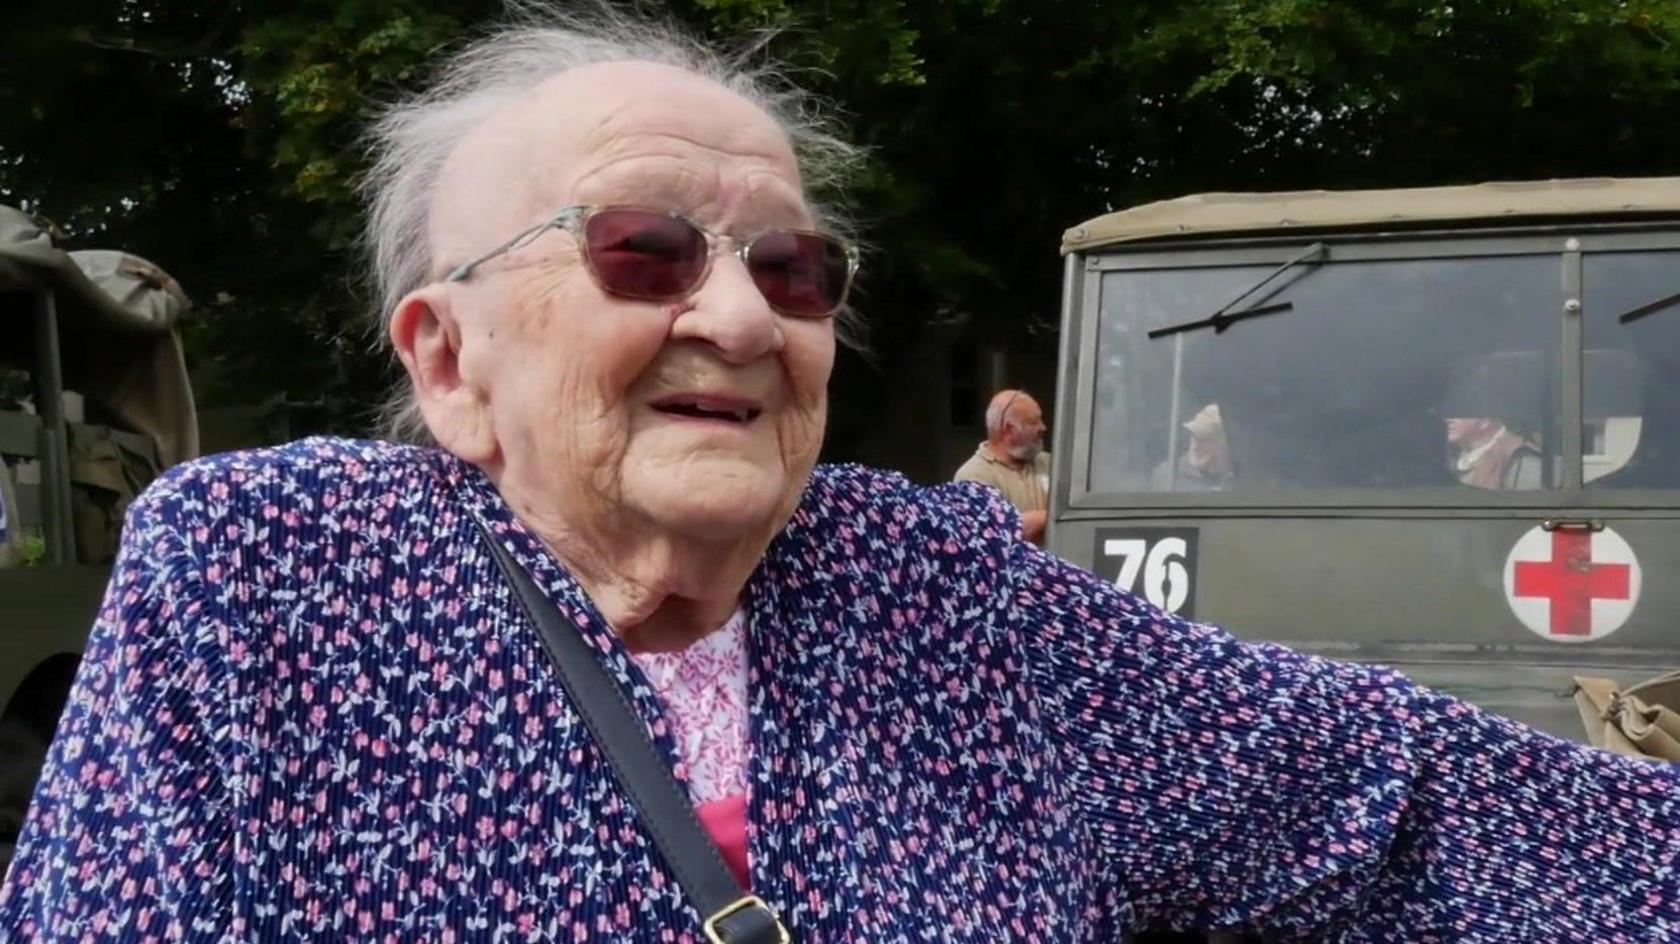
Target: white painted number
pixel 1166 583
pixel 1131 552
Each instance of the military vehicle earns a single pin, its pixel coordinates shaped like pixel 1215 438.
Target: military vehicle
pixel 94 403
pixel 1433 428
pixel 1437 429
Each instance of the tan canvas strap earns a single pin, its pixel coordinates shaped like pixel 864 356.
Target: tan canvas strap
pixel 1641 721
pixel 1662 690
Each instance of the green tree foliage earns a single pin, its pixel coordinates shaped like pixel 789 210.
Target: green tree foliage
pixel 218 137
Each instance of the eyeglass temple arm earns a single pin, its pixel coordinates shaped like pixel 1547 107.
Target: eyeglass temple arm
pixel 560 221
pixel 1003 416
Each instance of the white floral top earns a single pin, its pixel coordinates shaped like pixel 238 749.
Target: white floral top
pixel 704 690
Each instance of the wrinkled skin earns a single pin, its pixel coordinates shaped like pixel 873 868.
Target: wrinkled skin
pixel 531 371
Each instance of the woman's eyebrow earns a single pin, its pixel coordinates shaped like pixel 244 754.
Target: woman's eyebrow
pixel 653 183
pixel 645 183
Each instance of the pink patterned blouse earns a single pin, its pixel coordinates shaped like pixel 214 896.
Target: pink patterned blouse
pixel 704 692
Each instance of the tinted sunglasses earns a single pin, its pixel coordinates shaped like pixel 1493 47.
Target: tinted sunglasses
pixel 657 256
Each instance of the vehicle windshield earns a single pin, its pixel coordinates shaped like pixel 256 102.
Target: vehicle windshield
pixel 1391 374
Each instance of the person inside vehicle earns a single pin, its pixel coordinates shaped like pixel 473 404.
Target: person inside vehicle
pixel 1206 462
pixel 1012 459
pixel 314 707
pixel 1487 454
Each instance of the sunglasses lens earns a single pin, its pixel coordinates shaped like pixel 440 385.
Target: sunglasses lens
pixel 800 274
pixel 644 254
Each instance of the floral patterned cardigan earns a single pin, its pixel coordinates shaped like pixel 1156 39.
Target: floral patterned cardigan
pixel 311 710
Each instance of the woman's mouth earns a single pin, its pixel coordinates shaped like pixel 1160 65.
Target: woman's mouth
pixel 709 407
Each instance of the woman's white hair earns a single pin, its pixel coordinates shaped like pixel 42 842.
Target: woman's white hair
pixel 539 39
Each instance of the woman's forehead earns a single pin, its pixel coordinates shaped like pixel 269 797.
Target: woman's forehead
pixel 640 125
pixel 622 132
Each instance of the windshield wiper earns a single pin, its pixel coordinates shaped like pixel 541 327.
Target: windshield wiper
pixel 1225 317
pixel 1222 320
pixel 1649 308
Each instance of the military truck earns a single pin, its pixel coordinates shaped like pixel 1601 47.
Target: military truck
pixel 94 404
pixel 1436 428
pixel 1433 428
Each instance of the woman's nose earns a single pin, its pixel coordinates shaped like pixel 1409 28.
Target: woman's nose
pixel 729 312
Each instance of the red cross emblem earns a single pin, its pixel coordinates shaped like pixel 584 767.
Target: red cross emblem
pixel 1571 581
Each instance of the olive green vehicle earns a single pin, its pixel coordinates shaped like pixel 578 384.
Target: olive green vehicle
pixel 1437 429
pixel 94 404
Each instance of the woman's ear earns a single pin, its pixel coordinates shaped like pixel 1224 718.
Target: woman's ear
pixel 429 340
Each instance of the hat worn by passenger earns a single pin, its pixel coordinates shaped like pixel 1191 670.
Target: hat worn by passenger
pixel 1206 423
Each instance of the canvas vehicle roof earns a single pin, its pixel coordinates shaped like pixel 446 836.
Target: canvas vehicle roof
pixel 1237 214
pixel 117 317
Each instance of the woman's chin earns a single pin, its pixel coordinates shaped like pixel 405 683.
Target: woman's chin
pixel 721 504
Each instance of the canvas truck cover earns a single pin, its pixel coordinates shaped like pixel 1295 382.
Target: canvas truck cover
pixel 1213 215
pixel 117 316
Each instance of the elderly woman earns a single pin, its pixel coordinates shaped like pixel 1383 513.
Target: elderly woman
pixel 315 708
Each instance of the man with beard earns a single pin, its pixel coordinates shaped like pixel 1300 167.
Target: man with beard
pixel 1206 463
pixel 1012 459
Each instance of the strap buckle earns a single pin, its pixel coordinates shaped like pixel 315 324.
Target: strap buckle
pixel 710 927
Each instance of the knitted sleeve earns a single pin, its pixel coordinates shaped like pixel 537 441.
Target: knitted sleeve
pixel 1231 784
pixel 127 835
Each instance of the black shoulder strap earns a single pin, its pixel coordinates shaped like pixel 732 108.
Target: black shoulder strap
pixel 730 916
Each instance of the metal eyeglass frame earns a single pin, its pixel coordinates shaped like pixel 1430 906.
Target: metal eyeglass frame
pixel 572 218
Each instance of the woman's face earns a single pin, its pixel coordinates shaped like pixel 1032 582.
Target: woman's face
pixel 701 416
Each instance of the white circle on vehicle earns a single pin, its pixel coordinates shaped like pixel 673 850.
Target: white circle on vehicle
pixel 1572 584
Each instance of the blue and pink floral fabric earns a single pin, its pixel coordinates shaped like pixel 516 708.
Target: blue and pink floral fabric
pixel 311 711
